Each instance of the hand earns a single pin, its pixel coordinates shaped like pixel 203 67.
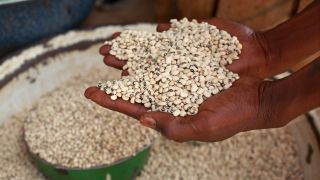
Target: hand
pixel 254 56
pixel 220 116
pixel 240 108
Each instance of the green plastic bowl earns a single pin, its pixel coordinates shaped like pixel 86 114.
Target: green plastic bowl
pixel 125 169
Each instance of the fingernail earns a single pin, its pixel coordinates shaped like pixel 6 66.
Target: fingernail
pixel 148 122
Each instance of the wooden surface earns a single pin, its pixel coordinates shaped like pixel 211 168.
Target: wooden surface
pixel 165 10
pixel 168 9
pixel 303 4
pixel 122 12
pixel 259 14
pixel 195 9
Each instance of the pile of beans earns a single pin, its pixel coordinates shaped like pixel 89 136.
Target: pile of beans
pixel 66 129
pixel 176 70
pixel 264 154
pixel 15 164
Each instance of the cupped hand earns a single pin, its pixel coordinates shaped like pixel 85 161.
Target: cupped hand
pixel 240 108
pixel 237 109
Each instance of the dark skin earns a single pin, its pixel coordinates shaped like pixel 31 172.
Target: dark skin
pixel 251 103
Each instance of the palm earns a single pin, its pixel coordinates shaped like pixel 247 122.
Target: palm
pixel 252 58
pixel 219 117
pixel 232 111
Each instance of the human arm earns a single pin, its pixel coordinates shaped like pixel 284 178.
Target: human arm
pixel 249 104
pixel 294 95
pixel 293 41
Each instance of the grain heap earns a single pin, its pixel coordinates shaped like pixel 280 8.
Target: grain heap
pixel 66 129
pixel 176 70
pixel 250 155
pixel 15 163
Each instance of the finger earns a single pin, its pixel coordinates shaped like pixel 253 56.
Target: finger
pixel 125 73
pixel 111 60
pixel 115 35
pixel 236 67
pixel 104 50
pixel 120 105
pixel 175 128
pixel 163 27
pixel 213 126
pixel 157 120
pixel 243 66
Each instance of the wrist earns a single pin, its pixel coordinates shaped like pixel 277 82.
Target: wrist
pixel 268 106
pixel 272 52
pixel 292 41
pixel 283 100
pixel 273 105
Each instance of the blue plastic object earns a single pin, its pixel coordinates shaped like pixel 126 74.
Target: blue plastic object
pixel 24 22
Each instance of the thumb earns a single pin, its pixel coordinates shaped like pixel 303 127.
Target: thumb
pixel 163 27
pixel 175 128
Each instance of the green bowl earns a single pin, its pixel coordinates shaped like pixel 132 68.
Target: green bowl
pixel 125 169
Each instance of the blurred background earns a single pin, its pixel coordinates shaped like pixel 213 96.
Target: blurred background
pixel 24 22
